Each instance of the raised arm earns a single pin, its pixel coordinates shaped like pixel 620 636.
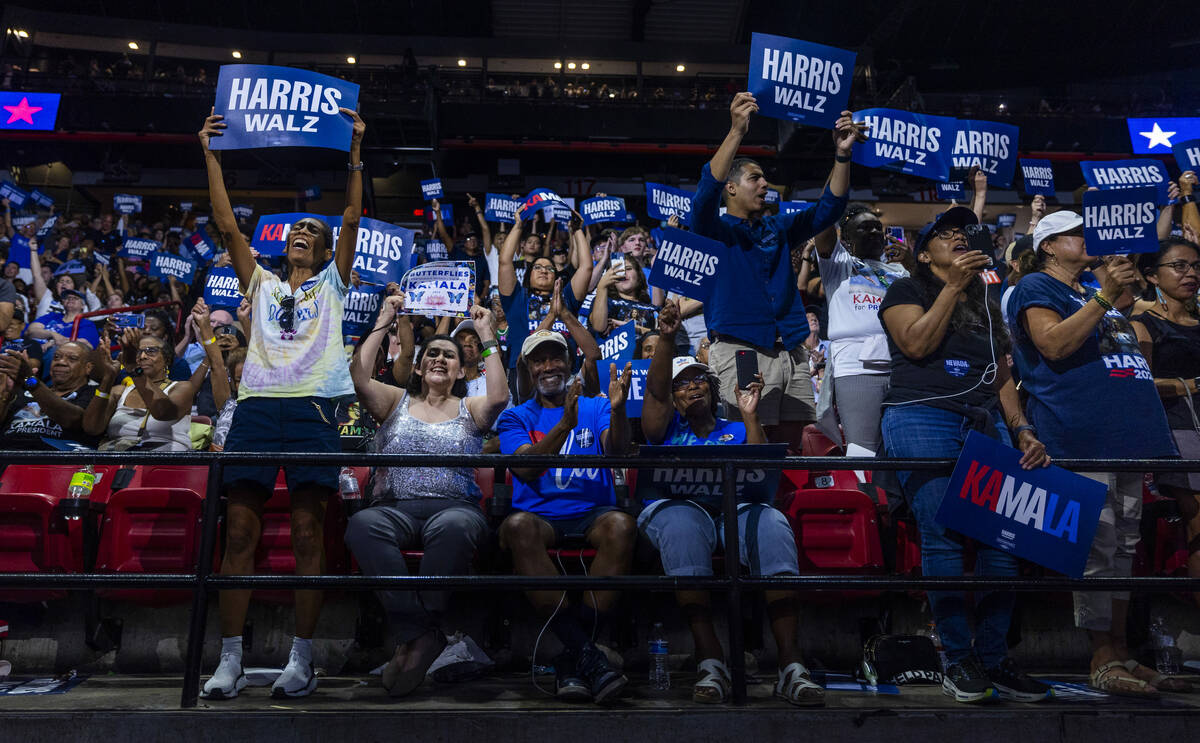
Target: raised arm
pixel 1166 214
pixel 378 398
pixel 979 200
pixel 739 111
pixel 439 226
pixel 348 237
pixel 487 407
pixel 222 210
pixel 1189 213
pixel 507 281
pixel 485 232
pixel 657 406
pixel 221 388
pixel 35 265
pixel 581 254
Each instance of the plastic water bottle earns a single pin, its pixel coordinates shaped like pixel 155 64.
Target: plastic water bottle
pixel 932 633
pixel 660 673
pixel 79 491
pixel 348 485
pixel 1167 656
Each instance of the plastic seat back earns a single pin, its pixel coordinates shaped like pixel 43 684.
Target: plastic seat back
pixel 837 531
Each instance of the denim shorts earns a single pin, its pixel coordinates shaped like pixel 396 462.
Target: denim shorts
pixel 576 527
pixel 286 425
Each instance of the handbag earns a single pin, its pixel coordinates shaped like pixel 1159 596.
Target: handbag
pixel 900 660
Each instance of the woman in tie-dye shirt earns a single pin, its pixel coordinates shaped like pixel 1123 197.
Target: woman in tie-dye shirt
pixel 295 366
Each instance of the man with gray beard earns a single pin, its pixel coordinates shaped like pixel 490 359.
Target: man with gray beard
pixel 554 505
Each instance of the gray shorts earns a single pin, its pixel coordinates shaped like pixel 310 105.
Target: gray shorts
pixel 787 394
pixel 686 536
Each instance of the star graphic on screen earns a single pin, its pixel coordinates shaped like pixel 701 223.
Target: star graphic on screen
pixel 1157 136
pixel 24 112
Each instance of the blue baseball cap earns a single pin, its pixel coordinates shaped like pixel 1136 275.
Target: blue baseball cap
pixel 955 216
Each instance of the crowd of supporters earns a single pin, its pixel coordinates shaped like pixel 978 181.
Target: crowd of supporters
pixel 893 347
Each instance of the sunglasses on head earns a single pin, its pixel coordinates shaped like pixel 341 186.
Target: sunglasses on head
pixel 287 314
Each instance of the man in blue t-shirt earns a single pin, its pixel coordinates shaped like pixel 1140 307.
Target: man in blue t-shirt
pixel 54 328
pixel 559 503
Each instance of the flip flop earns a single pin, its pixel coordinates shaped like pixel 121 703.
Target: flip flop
pixel 1113 678
pixel 1158 680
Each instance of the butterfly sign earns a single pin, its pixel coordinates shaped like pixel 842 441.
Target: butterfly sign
pixel 440 288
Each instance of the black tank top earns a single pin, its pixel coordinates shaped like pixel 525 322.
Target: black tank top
pixel 1176 354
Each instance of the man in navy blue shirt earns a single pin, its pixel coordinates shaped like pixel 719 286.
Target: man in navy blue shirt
pixel 755 304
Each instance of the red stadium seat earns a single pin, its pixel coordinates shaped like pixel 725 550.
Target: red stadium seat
pixel 813 443
pixel 33 536
pixel 837 531
pixel 150 530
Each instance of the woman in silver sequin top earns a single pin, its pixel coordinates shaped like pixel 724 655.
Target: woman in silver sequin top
pixel 434 509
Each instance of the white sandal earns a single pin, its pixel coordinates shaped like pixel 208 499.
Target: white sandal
pixel 714 684
pixel 796 686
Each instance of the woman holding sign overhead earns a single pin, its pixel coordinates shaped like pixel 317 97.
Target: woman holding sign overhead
pixel 295 367
pixel 1091 394
pixel 949 377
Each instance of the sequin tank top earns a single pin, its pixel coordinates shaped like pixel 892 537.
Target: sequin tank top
pixel 401 433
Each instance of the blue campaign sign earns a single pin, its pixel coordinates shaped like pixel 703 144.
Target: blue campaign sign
pixel 793 207
pixel 1047 515
pixel 705 485
pixel 537 200
pixel 1038 177
pixel 637 383
pixel 270 234
pixel 381 251
pixel 603 209
pixel 916 144
pixel 221 288
pixel 185 206
pixel 70 267
pixel 988 145
pixel 1116 174
pixel 1120 221
pixel 799 80
pixel 1006 220
pixel 432 189
pixel 18 251
pixel 1159 135
pixel 126 203
pixel 164 265
pixel 15 195
pixel 200 246
pixel 242 211
pixel 772 196
pixel 447 214
pixel 41 199
pixel 267 106
pixel 360 310
pixel 138 248
pixel 500 208
pixel 686 264
pixel 29 111
pixel 619 344
pixel 1187 154
pixel 311 193
pixel 663 202
pixel 951 191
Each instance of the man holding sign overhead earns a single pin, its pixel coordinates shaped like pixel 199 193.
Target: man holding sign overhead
pixel 295 367
pixel 754 304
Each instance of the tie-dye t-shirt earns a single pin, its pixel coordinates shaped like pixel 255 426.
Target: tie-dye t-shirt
pixel 309 361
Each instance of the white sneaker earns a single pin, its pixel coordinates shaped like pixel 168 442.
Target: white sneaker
pixel 227 680
pixel 297 680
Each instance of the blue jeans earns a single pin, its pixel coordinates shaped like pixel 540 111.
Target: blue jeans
pixel 928 432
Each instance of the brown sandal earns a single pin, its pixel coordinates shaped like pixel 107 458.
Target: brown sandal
pixel 1159 681
pixel 1113 678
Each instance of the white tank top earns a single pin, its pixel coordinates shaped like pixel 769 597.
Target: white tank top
pixel 137 423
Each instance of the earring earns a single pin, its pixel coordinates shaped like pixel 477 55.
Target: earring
pixel 1161 299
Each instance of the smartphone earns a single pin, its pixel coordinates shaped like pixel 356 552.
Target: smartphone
pixel 129 320
pixel 896 232
pixel 979 237
pixel 618 264
pixel 14 346
pixel 747 368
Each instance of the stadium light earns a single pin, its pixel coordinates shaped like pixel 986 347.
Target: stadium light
pixel 1002 107
pixel 236 54
pixel 462 63
pixel 570 65
pixel 586 66
pixel 558 65
pixel 20 33
pixel 679 68
pixel 133 45
pixel 351 60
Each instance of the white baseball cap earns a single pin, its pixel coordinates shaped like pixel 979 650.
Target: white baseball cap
pixel 1055 224
pixel 463 327
pixel 681 363
pixel 538 337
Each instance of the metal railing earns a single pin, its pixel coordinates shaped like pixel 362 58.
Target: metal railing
pixel 732 584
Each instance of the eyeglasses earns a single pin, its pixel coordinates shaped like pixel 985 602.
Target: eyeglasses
pixel 679 384
pixel 1181 267
pixel 542 267
pixel 287 314
pixel 951 233
pixel 150 350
